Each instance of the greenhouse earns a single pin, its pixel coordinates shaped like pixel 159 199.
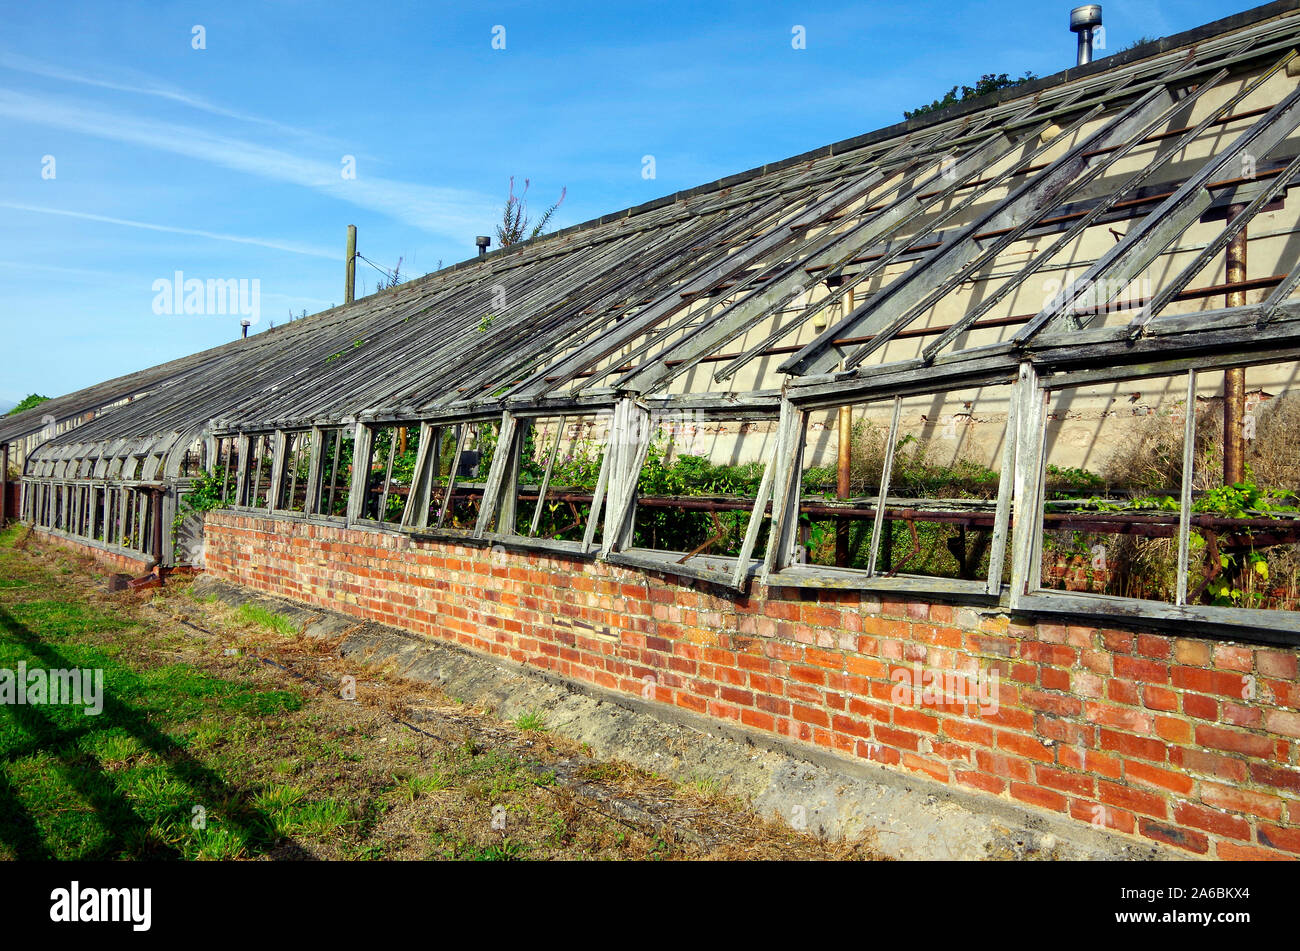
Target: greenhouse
pixel 1036 351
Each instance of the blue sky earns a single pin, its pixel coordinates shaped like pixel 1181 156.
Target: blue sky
pixel 227 162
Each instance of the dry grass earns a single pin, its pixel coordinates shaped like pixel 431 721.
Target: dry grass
pixel 404 771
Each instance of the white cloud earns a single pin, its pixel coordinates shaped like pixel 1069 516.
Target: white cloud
pixel 450 212
pixel 170 229
pixel 56 269
pixel 144 86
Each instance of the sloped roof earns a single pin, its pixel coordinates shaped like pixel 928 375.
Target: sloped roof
pixel 688 297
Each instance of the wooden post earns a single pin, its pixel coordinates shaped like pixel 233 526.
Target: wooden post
pixel 1234 380
pixel 350 273
pixel 157 545
pixel 4 484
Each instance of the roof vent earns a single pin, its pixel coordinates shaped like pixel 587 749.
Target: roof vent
pixel 1083 20
pixel 482 241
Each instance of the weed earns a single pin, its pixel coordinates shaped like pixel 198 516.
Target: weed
pixel 256 614
pixel 531 722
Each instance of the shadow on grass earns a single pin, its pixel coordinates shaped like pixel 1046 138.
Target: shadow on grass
pixel 128 832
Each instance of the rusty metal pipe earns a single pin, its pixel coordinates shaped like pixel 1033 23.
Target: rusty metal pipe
pixel 1234 380
pixel 844 465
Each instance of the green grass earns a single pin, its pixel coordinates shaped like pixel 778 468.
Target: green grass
pixel 186 762
pixel 412 788
pixel 124 783
pixel 260 616
pixel 531 722
pixel 203 755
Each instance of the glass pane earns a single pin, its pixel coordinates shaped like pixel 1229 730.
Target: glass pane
pixel 699 482
pixel 1114 465
pixel 335 471
pixel 564 453
pixel 1245 536
pixel 393 451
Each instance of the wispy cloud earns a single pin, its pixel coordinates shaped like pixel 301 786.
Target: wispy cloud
pixel 144 86
pixel 171 229
pixel 449 212
pixel 56 269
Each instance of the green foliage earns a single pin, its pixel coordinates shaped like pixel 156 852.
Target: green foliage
pixel 262 617
pixel 690 475
pixel 1227 589
pixel 29 401
pixel 531 722
pixel 1242 571
pixel 206 493
pixel 515 225
pixel 1140 41
pixel 356 345
pixel 695 475
pixel 1246 500
pixel 989 82
pixel 508 850
pixel 1072 478
pixel 579 467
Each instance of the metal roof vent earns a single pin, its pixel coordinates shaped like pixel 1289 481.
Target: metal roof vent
pixel 1083 20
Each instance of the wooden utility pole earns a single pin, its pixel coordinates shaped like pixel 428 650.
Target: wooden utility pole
pixel 350 274
pixel 1234 380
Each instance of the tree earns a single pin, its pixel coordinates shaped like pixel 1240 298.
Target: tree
pixel 989 82
pixel 515 223
pixel 32 399
pixel 1140 41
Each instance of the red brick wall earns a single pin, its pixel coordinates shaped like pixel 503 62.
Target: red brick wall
pixel 123 563
pixel 1189 742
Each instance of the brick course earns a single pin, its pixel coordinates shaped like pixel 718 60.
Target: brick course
pixel 123 563
pixel 1181 740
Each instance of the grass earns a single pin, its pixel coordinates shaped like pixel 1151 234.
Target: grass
pixel 200 754
pixel 531 722
pixel 260 616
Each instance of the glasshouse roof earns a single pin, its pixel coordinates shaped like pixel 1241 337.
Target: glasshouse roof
pixel 949 247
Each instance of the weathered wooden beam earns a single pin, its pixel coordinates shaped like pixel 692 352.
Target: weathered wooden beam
pixel 788 478
pixel 886 473
pixel 362 442
pixel 1031 418
pixel 1105 279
